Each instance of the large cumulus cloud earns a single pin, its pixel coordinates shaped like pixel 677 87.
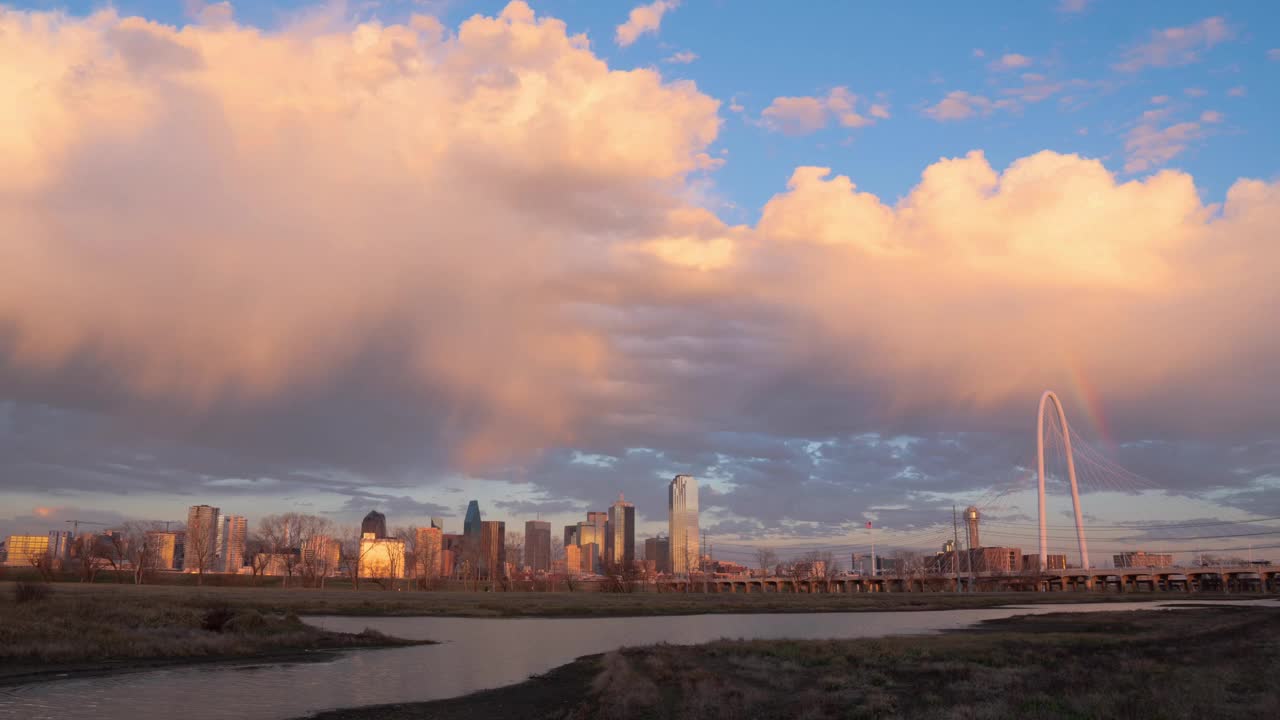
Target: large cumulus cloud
pixel 411 249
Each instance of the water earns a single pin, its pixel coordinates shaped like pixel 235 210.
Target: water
pixel 474 654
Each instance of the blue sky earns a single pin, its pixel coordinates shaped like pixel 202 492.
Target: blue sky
pixel 737 384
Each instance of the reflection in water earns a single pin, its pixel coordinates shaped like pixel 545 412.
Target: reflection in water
pixel 474 654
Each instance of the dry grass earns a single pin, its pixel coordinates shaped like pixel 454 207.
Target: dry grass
pixel 1220 663
pixel 374 602
pixel 67 628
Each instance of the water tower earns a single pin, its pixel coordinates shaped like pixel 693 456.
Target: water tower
pixel 971 516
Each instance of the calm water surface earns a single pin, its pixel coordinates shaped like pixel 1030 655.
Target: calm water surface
pixel 474 654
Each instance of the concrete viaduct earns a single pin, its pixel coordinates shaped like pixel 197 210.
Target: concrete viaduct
pixel 1245 578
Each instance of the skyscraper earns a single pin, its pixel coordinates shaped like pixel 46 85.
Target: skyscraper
pixel 622 534
pixel 437 523
pixel 202 539
pixel 493 549
pixel 471 525
pixel 591 534
pixel 570 535
pixel 659 551
pixel 428 547
pixel 232 531
pixel 682 504
pixel 599 521
pixel 537 545
pixel 376 523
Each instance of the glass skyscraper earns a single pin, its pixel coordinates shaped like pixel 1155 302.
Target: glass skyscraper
pixel 682 503
pixel 622 534
pixel 471 524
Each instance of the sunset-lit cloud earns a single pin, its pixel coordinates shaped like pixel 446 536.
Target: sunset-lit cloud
pixel 1011 61
pixel 643 19
pixel 1176 46
pixel 961 105
pixel 358 259
pixel 1152 143
pixel 804 115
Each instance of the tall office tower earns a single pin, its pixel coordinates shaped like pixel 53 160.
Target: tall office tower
pixel 429 546
pixel 682 503
pixel 376 523
pixel 60 544
pixel 202 538
pixel 971 516
pixel 591 534
pixel 471 525
pixel 493 549
pixel 622 534
pixel 589 557
pixel 600 520
pixel 537 545
pixel 570 535
pixel 659 551
pixel 572 559
pixel 232 532
pixel 437 523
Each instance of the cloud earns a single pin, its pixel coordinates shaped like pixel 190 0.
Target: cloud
pixel 258 269
pixel 684 57
pixel 1011 61
pixel 1176 46
pixel 1273 54
pixel 643 19
pixel 1159 99
pixel 1073 6
pixel 1149 146
pixel 214 282
pixel 1195 92
pixel 961 105
pixel 805 115
pixel 1211 116
pixel 979 53
pixel 1238 91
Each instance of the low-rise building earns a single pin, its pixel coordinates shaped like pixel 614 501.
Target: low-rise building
pixel 1141 558
pixel 380 557
pixel 26 550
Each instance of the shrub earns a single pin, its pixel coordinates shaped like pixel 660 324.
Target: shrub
pixel 245 621
pixel 24 592
pixel 216 618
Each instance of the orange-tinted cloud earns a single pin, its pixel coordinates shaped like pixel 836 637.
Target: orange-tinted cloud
pixel 218 213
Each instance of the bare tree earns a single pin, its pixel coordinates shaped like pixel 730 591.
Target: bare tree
pixel 91 556
pixel 201 548
pixel 43 563
pixel 822 567
pixel 514 552
pixel 767 559
pixel 314 538
pixel 143 549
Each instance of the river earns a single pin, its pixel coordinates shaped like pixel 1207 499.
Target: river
pixel 473 654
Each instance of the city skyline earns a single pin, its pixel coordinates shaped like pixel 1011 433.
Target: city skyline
pixel 540 255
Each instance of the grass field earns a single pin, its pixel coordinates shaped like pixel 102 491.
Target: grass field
pixel 374 602
pixel 61 629
pixel 1185 664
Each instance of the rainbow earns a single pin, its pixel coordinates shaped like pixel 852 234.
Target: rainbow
pixel 1090 400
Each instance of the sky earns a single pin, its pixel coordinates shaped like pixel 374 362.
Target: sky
pixel 825 257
